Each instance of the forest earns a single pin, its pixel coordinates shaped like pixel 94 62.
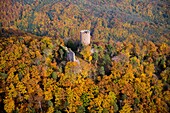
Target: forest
pixel 125 69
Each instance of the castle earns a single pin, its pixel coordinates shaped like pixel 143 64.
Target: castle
pixel 84 40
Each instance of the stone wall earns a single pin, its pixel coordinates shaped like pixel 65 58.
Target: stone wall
pixel 85 37
pixel 71 55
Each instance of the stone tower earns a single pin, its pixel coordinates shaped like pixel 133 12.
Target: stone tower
pixel 85 37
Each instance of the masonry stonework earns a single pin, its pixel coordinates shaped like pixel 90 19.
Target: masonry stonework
pixel 71 55
pixel 85 37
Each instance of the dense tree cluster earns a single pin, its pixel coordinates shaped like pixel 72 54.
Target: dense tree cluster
pixel 126 68
pixel 139 19
pixel 120 77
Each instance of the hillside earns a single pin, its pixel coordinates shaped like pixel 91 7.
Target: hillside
pixel 138 19
pixel 125 68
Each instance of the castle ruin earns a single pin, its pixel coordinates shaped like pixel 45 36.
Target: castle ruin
pixel 85 40
pixel 70 55
pixel 85 37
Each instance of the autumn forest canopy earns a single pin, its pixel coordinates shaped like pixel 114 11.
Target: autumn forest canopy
pixel 124 69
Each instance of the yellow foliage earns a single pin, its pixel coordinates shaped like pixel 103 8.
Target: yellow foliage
pixel 126 109
pixel 164 48
pixel 9 104
pixel 150 69
pixel 167 96
pixel 48 95
pixel 26 97
pixel 21 87
pixel 90 58
pixel 11 91
pixel 38 54
pixel 50 109
pixel 86 52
